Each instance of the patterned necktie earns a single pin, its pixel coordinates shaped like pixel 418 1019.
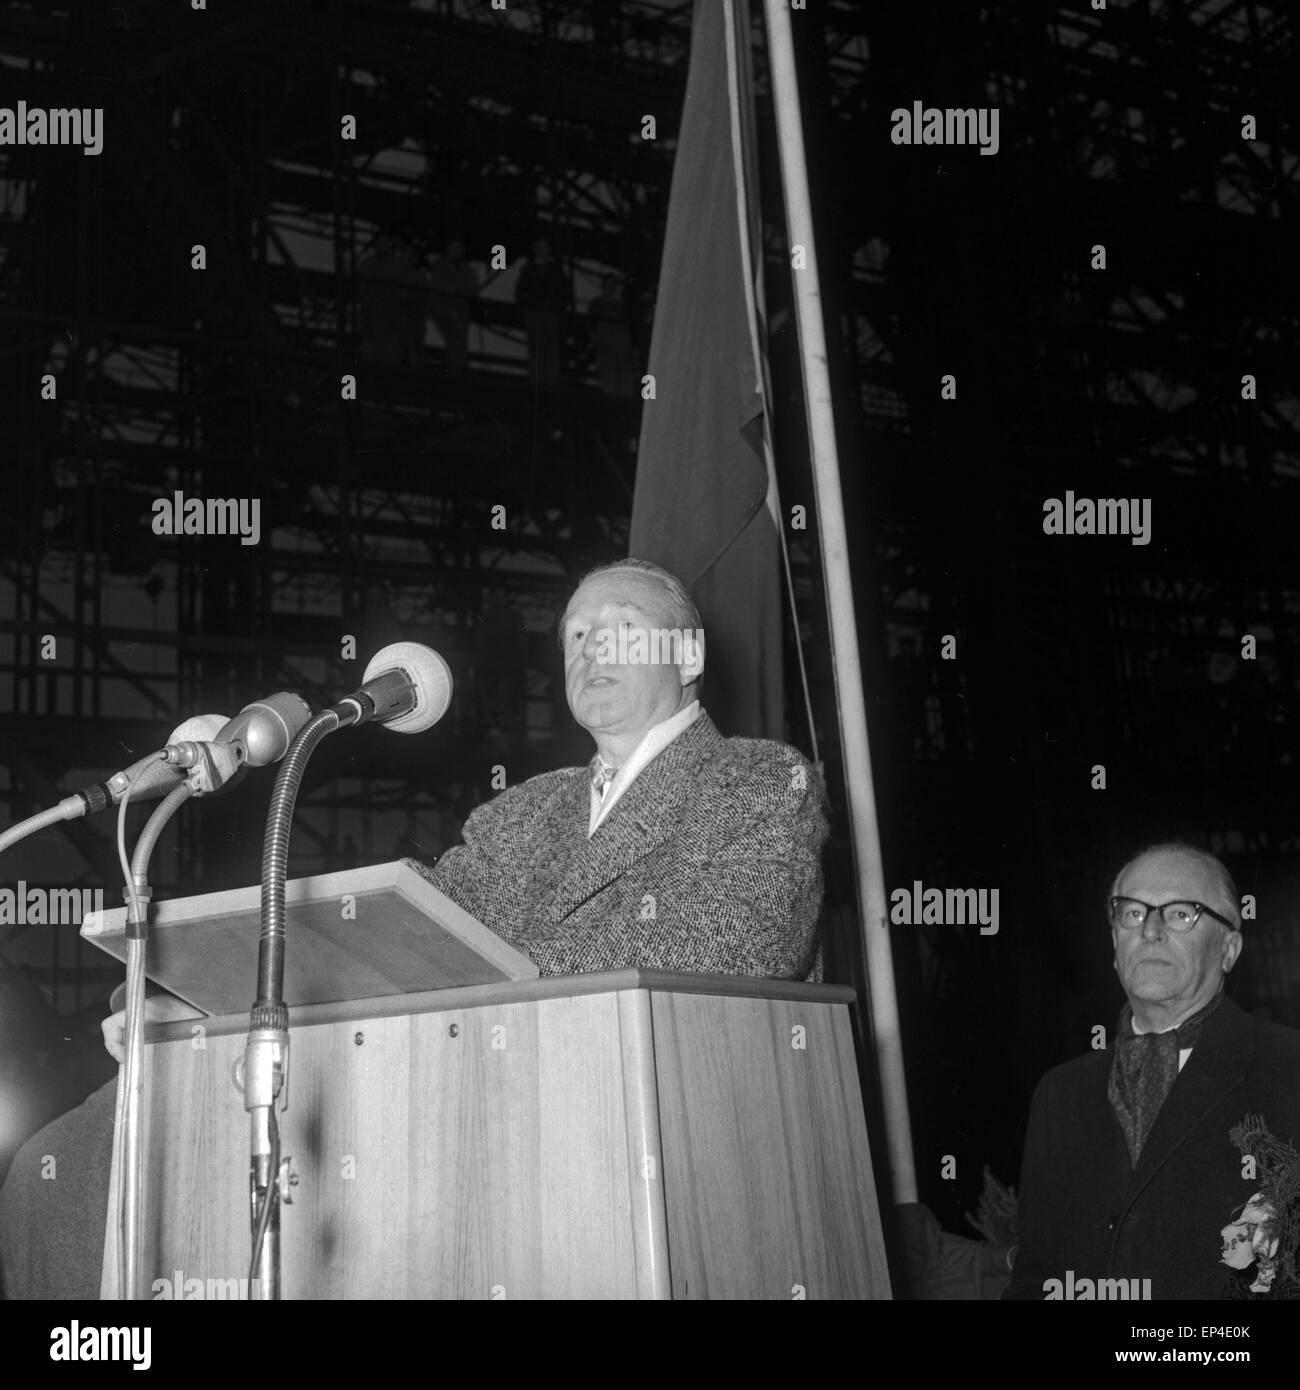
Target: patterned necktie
pixel 601 776
pixel 1144 1069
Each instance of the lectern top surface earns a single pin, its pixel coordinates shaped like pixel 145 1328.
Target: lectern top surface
pixel 356 934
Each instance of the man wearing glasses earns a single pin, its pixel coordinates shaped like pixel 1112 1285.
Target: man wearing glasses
pixel 1129 1170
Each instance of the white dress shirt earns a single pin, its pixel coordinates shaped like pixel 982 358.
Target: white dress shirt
pixel 654 743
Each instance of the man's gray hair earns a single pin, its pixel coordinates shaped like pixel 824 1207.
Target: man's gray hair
pixel 680 610
pixel 1223 880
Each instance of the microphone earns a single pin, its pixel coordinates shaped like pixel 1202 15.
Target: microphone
pixel 265 729
pixel 211 751
pixel 159 777
pixel 260 734
pixel 406 687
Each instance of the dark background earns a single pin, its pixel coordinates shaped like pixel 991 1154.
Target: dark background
pixel 1120 127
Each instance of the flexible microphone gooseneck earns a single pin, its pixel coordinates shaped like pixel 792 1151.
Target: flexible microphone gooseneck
pixel 406 687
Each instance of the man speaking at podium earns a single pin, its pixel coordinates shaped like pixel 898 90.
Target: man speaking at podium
pixel 675 848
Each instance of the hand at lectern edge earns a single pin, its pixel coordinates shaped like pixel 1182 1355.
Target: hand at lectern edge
pixel 158 1008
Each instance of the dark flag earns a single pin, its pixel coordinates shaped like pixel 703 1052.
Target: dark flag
pixel 705 500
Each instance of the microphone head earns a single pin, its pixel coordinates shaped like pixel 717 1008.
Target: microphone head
pixel 266 728
pixel 427 672
pixel 160 778
pixel 201 728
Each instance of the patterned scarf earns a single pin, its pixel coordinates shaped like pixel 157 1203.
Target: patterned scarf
pixel 1144 1069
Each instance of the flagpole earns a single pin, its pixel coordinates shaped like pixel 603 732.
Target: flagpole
pixel 839 595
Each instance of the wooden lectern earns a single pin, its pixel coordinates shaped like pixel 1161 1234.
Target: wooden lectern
pixel 636 1134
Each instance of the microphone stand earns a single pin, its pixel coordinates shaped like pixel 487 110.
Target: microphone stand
pixel 129 1131
pixel 264 1075
pixel 393 694
pixel 210 768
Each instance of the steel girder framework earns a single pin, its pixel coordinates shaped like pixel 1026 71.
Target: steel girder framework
pixel 491 126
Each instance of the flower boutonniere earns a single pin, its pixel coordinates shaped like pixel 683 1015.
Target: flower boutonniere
pixel 1262 1241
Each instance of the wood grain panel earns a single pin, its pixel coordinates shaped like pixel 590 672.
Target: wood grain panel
pixel 644 1147
pixel 196 1167
pixel 767 1169
pixel 622 1144
pixel 488 1161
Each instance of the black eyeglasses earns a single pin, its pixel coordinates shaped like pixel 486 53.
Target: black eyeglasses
pixel 1130 914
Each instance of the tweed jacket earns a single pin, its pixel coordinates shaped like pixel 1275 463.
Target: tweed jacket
pixel 710 862
pixel 1085 1209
